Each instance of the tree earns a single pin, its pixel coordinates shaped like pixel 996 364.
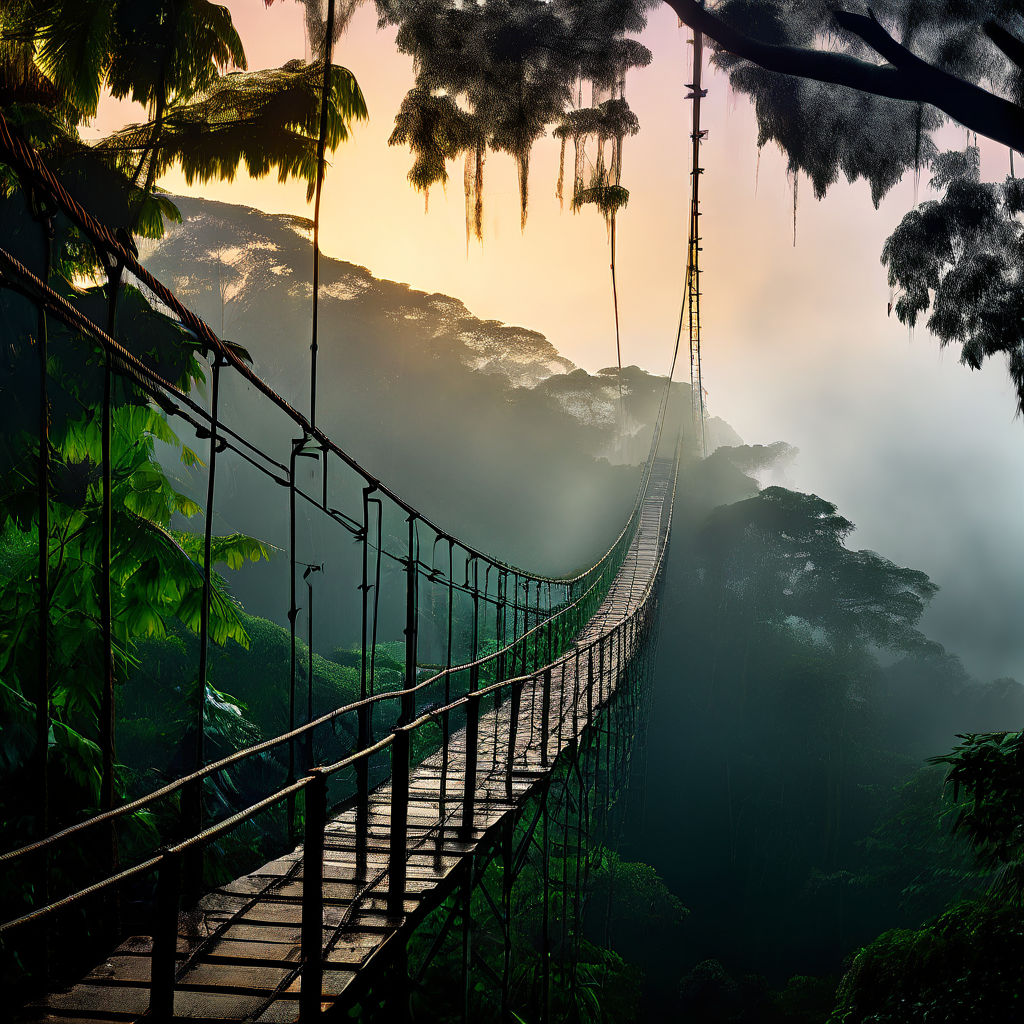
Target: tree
pixel 904 975
pixel 783 553
pixel 92 554
pixel 842 93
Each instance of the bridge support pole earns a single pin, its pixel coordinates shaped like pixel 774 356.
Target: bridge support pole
pixel 561 706
pixel 515 701
pixel 604 667
pixel 545 717
pixel 165 938
pixel 310 993
pixel 362 768
pixel 576 696
pixel 590 683
pixel 399 821
pixel 472 742
pixel 408 712
pixel 536 636
pixel 474 672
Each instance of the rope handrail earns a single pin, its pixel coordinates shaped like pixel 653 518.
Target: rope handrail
pixel 26 159
pixel 226 825
pixel 173 400
pixel 275 741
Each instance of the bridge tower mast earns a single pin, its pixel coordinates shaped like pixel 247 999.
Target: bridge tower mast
pixel 696 94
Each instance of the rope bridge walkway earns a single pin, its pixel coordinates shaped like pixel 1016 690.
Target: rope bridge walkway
pixel 239 956
pixel 435 776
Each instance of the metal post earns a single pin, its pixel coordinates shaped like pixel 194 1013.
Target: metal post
pixel 107 710
pixel 507 851
pixel 204 609
pixel 590 683
pixel 576 697
pixel 163 962
pixel 376 601
pixel 42 695
pixel 513 728
pixel 310 993
pixel 500 624
pixel 362 765
pixel 308 737
pixel 536 635
pixel 399 820
pixel 474 672
pixel 408 710
pixel 442 786
pixel 561 706
pixel 549 628
pixel 545 717
pixel 515 620
pixel 472 733
pixel 297 444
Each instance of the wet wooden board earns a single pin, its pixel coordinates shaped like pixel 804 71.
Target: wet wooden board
pixel 239 948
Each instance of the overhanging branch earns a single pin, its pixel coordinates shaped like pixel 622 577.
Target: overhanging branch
pixel 1011 46
pixel 905 77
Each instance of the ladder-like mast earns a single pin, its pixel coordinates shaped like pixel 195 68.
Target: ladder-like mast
pixel 695 95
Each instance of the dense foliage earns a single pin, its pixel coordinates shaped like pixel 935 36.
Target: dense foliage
pixel 805 668
pixel 962 257
pixel 798 700
pixel 843 94
pixel 141 578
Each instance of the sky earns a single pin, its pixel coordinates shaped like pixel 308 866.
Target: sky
pixel 926 457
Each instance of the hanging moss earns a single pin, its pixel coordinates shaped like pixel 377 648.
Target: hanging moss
pixel 474 189
pixel 609 199
pixel 523 171
pixel 561 172
pixel 436 130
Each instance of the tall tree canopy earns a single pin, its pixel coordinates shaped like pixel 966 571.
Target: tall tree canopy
pixel 86 504
pixel 852 92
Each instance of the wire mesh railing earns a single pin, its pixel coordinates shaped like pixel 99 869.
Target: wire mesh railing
pixel 471 601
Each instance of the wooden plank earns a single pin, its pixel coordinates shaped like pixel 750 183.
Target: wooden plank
pixel 244 936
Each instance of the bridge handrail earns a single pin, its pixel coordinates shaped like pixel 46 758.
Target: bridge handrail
pixel 26 159
pixel 226 825
pixel 158 388
pixel 274 741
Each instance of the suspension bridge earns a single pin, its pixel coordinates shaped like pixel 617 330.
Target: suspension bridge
pixel 486 755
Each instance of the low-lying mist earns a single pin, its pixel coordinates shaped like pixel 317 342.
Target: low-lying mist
pixel 785 797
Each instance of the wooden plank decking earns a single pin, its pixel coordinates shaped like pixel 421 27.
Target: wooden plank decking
pixel 239 950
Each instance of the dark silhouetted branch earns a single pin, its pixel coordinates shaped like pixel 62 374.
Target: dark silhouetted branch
pixel 905 77
pixel 1011 46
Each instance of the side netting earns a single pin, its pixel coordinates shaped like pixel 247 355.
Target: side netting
pixel 527 927
pixel 521 929
pixel 469 624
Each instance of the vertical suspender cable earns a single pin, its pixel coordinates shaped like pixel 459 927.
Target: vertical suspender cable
pixel 42 710
pixel 106 722
pixel 293 612
pixel 698 411
pixel 307 574
pixel 618 340
pixel 321 146
pixel 204 610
